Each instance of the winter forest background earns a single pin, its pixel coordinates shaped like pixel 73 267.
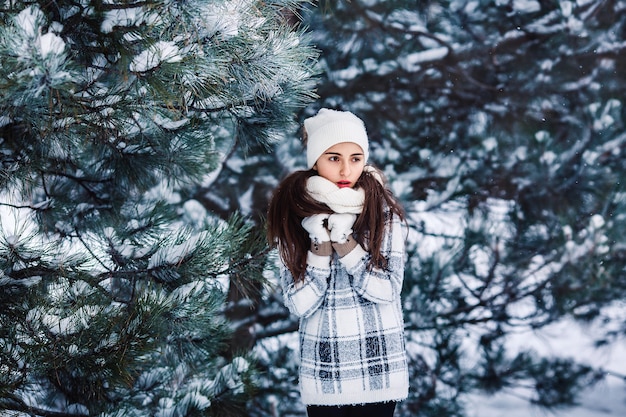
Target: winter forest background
pixel 140 141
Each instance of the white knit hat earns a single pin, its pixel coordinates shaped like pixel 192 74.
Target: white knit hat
pixel 330 127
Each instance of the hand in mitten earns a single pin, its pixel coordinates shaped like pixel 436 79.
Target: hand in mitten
pixel 340 225
pixel 320 238
pixel 316 228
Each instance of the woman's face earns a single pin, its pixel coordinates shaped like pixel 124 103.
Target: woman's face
pixel 341 164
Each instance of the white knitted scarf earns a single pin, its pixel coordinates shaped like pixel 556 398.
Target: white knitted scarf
pixel 340 200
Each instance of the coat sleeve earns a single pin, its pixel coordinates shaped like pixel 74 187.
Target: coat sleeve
pixel 304 298
pixel 376 284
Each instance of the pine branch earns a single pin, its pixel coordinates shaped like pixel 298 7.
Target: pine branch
pixel 11 402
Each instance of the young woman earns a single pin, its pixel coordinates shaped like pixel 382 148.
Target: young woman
pixel 340 236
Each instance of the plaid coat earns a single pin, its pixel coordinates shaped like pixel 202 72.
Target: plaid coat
pixel 352 347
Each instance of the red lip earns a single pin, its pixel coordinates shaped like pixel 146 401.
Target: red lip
pixel 343 184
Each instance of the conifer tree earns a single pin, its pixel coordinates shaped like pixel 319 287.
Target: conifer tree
pixel 112 280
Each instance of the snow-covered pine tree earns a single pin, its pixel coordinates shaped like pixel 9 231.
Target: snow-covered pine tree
pixel 111 284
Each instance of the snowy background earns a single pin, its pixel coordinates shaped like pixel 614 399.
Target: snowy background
pixel 500 124
pixel 606 399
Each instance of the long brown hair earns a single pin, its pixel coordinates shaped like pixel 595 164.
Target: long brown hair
pixel 290 203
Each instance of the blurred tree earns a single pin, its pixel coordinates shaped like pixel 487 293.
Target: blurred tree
pixel 501 126
pixel 112 278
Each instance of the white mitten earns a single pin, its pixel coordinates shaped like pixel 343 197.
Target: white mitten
pixel 316 228
pixel 340 225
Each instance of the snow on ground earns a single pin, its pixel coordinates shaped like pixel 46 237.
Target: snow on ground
pixel 605 400
pixel 567 339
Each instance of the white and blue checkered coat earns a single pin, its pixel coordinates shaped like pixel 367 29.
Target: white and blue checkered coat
pixel 352 346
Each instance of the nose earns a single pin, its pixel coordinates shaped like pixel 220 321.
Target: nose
pixel 345 169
